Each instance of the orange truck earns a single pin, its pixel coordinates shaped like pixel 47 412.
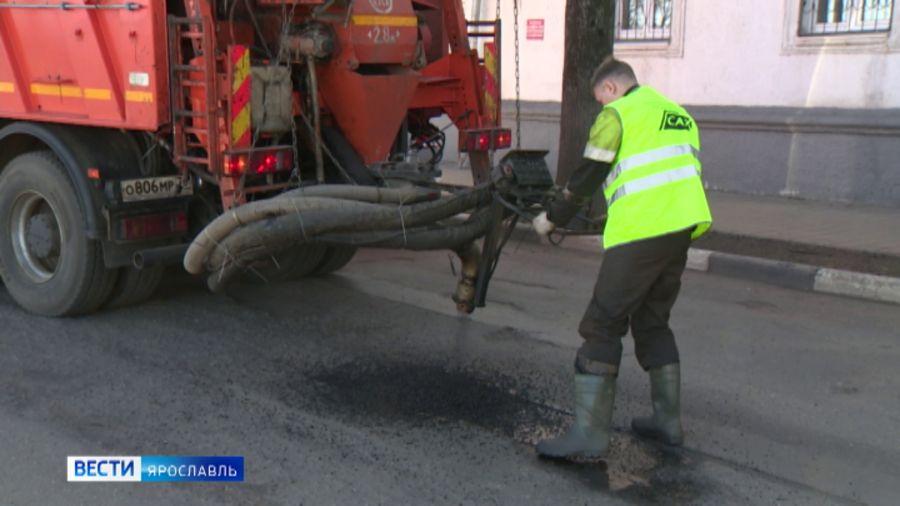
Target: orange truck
pixel 127 126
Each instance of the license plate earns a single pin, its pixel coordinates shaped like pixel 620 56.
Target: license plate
pixel 155 188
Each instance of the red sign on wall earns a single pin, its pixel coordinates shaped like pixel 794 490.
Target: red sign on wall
pixel 534 29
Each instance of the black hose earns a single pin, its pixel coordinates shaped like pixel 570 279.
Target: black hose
pixel 416 239
pixel 278 233
pixel 425 238
pixel 373 194
pixel 347 156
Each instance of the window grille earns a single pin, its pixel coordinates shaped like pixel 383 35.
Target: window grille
pixel 829 17
pixel 643 20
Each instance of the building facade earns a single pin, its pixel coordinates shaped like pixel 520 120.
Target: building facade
pixel 796 98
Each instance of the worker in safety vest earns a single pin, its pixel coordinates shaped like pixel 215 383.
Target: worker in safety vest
pixel 643 151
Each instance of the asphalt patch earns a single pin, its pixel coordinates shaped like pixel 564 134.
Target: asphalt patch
pixel 429 395
pixel 422 395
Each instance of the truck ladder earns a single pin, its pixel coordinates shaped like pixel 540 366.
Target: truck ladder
pixel 195 132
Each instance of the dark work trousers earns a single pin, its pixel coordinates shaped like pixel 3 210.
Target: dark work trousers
pixel 637 285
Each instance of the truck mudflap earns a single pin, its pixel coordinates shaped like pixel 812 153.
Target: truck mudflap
pixel 145 225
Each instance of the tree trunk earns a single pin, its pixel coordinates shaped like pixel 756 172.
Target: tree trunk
pixel 590 29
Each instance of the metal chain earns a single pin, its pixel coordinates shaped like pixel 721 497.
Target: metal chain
pixel 286 19
pixel 518 100
pixel 500 92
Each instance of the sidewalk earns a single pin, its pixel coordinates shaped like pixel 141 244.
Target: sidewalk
pixel 855 238
pixel 806 245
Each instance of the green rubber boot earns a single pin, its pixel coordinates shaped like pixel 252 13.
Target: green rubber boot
pixel 665 391
pixel 589 436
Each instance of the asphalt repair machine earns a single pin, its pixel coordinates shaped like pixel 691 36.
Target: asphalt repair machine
pixel 266 139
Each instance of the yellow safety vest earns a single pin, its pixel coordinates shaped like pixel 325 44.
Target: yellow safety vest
pixel 654 187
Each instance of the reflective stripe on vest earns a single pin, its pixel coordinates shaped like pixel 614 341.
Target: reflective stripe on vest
pixel 648 157
pixel 652 181
pixel 599 155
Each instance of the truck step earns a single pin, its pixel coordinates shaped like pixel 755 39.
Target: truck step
pixel 194 159
pixel 188 68
pixel 186 21
pixel 191 114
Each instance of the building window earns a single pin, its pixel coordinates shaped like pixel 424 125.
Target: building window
pixel 830 17
pixel 643 20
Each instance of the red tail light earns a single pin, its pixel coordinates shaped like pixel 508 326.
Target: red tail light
pixel 502 139
pixel 261 162
pixel 235 165
pixel 488 139
pixel 482 142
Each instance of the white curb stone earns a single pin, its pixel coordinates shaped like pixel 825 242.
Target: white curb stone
pixel 698 259
pixel 855 284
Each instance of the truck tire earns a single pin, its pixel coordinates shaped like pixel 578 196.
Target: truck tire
pixel 292 265
pixel 134 286
pixel 47 262
pixel 335 259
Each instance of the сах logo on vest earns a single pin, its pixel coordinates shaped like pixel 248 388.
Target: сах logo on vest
pixel 674 121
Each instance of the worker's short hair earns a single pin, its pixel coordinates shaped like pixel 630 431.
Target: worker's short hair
pixel 612 68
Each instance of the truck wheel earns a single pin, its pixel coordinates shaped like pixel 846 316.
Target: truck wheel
pixel 134 286
pixel 47 262
pixel 292 265
pixel 335 259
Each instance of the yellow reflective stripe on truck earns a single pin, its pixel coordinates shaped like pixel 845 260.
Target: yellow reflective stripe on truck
pixel 362 20
pixel 59 90
pixel 56 90
pixel 143 97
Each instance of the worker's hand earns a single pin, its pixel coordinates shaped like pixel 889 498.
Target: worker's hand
pixel 562 210
pixel 542 225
